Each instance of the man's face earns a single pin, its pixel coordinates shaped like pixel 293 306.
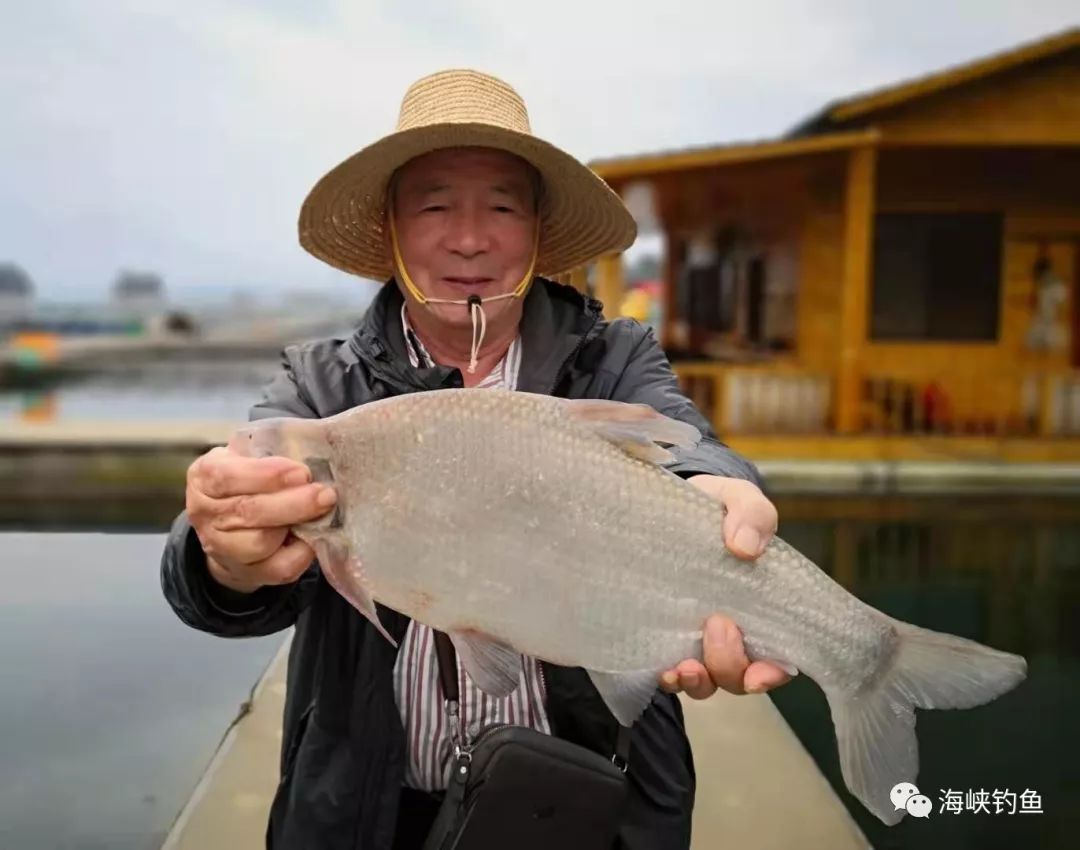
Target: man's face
pixel 466 222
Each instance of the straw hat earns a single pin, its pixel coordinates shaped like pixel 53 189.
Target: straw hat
pixel 342 218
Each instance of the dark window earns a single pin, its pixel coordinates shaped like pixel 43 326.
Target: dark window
pixel 936 277
pixel 706 295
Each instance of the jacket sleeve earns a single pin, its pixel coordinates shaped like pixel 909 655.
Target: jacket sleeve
pixel 200 601
pixel 648 379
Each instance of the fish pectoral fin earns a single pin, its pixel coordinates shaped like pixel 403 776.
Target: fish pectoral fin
pixel 346 575
pixel 626 695
pixel 494 666
pixel 635 428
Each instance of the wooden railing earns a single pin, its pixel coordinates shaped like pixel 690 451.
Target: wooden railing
pixel 759 399
pixel 1061 416
pixel 785 399
pixel 1018 403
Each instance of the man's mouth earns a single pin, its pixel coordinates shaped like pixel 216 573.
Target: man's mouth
pixel 468 281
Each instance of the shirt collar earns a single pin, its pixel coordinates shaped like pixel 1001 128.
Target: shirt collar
pixel 418 354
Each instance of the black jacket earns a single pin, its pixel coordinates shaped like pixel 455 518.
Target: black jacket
pixel 343 747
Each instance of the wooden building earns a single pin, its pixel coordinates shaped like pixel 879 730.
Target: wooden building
pixel 899 276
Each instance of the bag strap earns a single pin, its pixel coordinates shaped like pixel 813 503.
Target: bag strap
pixel 444 650
pixel 447 658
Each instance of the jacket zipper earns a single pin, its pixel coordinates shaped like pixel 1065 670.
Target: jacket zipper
pixel 573 354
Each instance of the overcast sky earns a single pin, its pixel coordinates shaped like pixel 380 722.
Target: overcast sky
pixel 182 135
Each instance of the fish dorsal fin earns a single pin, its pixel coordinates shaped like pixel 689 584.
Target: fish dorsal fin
pixel 635 428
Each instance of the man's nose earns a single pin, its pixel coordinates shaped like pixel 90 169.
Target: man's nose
pixel 466 235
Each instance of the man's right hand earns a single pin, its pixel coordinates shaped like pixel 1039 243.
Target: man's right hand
pixel 241 509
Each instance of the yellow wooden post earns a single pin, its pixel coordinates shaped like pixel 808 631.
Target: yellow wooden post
pixel 721 381
pixel 579 279
pixel 855 296
pixel 609 284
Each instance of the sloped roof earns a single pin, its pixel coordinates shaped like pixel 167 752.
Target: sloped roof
pixel 820 132
pixel 862 104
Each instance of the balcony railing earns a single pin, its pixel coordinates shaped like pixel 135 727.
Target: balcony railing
pixel 785 399
pixel 1021 403
pixel 759 399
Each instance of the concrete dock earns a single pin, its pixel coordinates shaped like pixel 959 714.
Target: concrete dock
pixel 758 789
pixel 153 455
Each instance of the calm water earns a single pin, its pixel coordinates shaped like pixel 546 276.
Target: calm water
pixel 178 390
pixel 110 708
pixel 1002 572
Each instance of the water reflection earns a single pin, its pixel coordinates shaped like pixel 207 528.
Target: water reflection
pixel 1005 572
pixel 189 389
pixel 110 708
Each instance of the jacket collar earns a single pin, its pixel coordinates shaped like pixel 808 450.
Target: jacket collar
pixel 556 322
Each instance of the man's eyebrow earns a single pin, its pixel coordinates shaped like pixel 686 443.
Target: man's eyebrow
pixel 430 187
pixel 515 189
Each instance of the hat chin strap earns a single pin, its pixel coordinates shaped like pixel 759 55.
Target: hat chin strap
pixel 474 302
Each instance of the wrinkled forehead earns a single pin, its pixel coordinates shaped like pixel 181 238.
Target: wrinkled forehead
pixel 474 167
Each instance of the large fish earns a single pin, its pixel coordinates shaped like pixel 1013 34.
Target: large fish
pixel 523 523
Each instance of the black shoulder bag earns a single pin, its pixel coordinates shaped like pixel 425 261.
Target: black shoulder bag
pixel 517 787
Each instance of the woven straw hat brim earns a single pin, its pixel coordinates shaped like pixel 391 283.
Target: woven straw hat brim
pixel 341 220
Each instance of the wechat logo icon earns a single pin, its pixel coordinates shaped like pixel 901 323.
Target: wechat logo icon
pixel 906 797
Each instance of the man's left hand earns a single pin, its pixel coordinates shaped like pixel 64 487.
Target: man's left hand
pixel 749 523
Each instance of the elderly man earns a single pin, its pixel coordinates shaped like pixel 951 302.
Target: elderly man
pixel 461 210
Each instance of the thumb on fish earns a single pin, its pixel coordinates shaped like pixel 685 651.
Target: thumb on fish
pixel 750 519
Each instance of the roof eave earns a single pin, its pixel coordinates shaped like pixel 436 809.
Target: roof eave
pixel 635 167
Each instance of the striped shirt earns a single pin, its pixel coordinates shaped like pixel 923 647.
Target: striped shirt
pixel 428 745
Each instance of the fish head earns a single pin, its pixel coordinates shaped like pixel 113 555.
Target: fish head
pixel 302 440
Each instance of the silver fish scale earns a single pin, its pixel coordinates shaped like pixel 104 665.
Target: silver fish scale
pixel 468 507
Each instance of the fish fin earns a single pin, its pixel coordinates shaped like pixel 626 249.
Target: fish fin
pixel 494 666
pixel 346 575
pixel 635 428
pixel 626 695
pixel 875 730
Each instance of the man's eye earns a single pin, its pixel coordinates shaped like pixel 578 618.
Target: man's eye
pixel 504 209
pixel 434 208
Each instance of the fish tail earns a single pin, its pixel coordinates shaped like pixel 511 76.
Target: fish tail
pixel 875 729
